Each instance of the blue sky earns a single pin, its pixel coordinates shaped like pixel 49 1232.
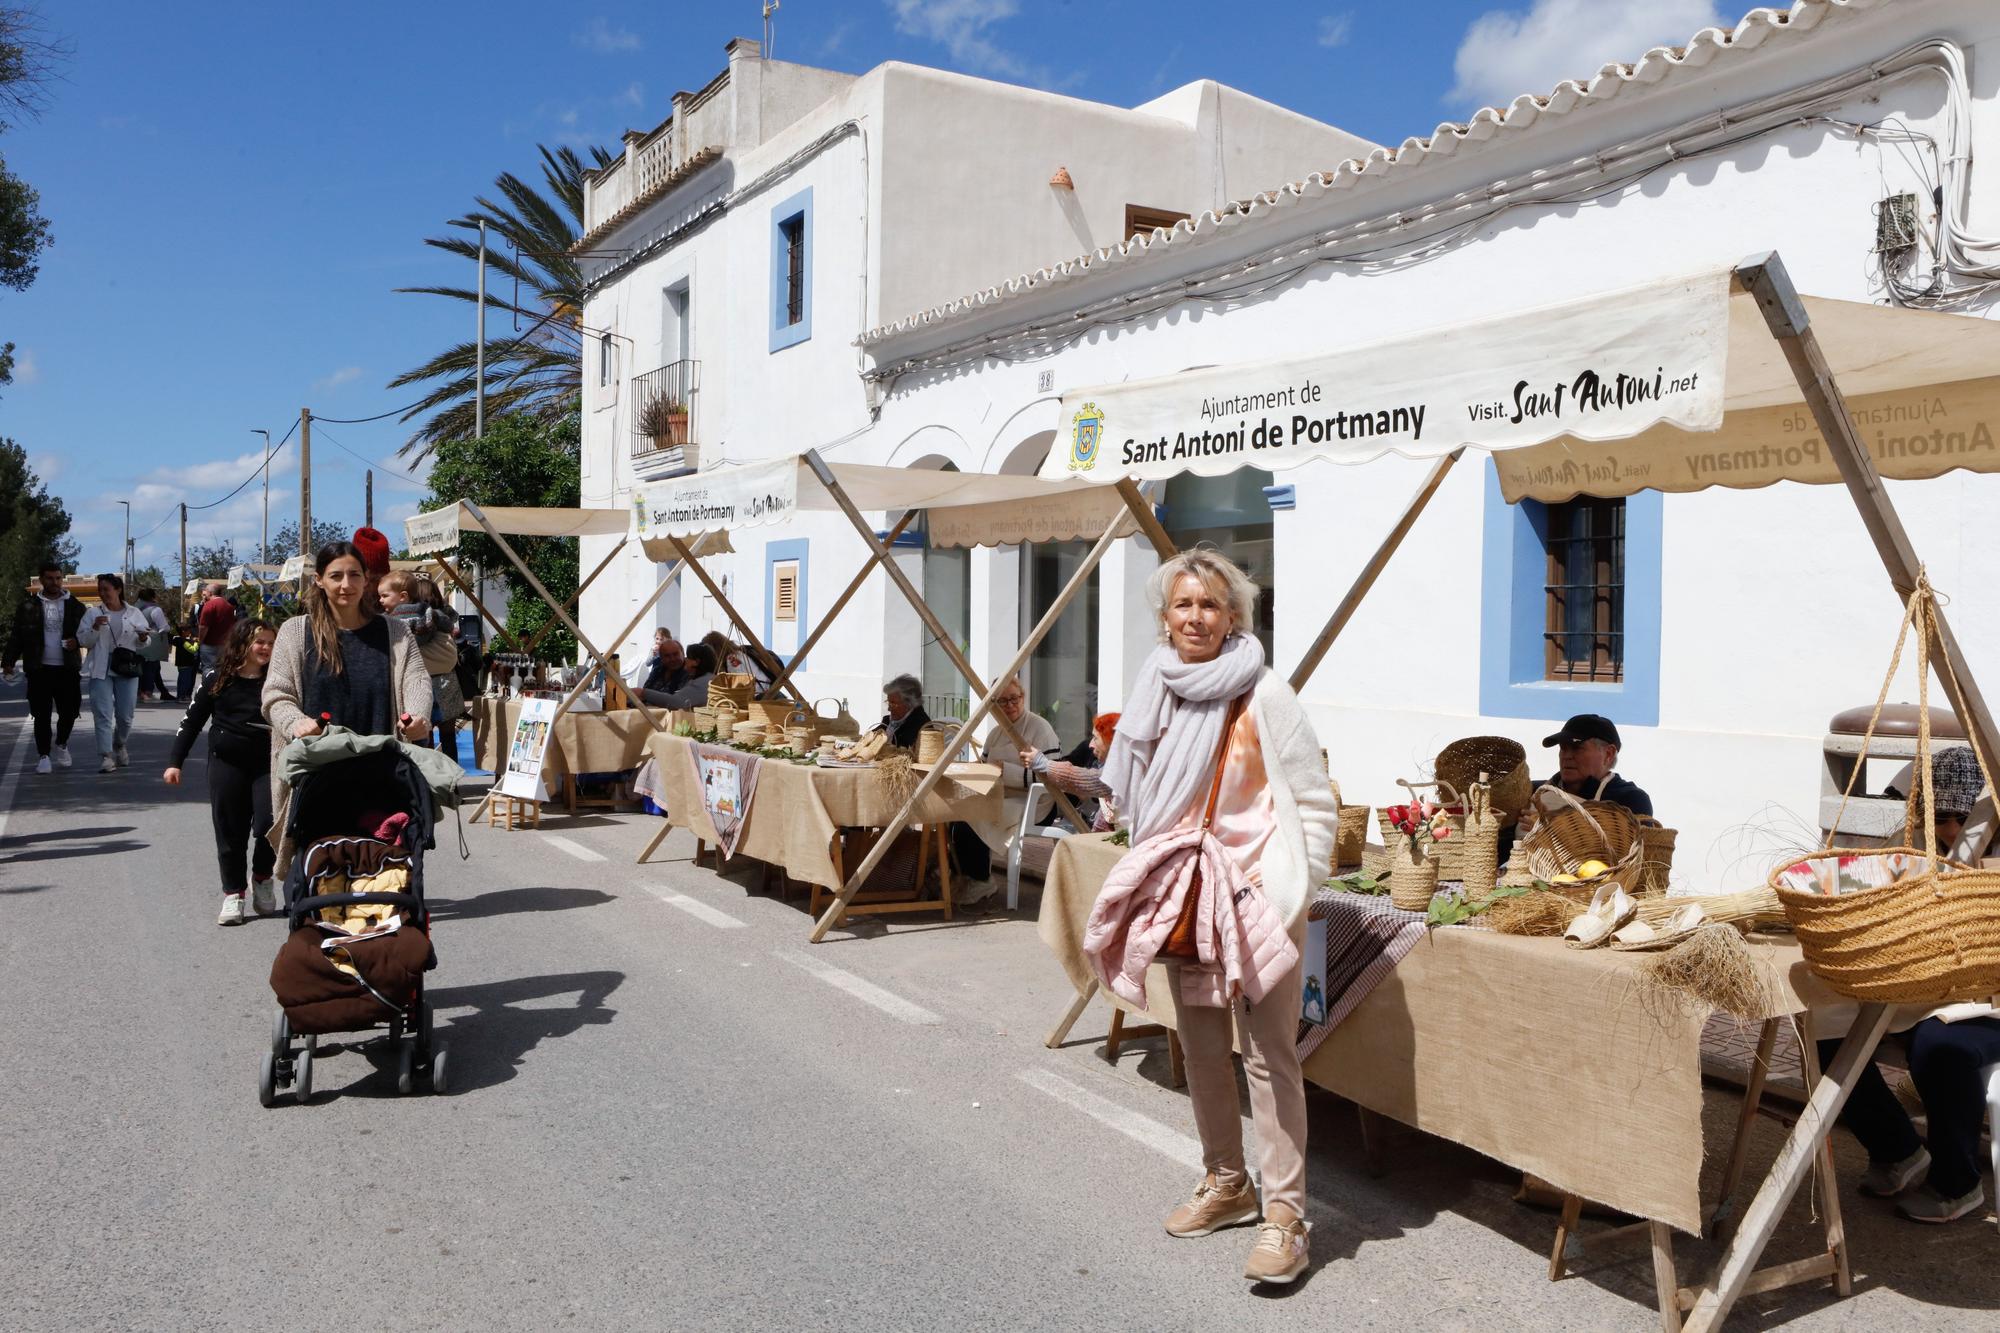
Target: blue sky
pixel 236 188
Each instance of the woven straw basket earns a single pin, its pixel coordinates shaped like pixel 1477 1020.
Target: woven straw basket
pixel 771 712
pixel 733 689
pixel 1569 832
pixel 930 744
pixel 1931 935
pixel 1504 763
pixel 1413 878
pixel 1657 859
pixel 840 722
pixel 1351 836
pixel 1479 844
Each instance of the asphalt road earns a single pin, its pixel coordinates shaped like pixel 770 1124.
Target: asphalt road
pixel 672 1112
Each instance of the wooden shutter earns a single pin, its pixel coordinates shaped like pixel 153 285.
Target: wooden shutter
pixel 785 592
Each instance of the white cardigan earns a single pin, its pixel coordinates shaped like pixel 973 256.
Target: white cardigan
pixel 1298 858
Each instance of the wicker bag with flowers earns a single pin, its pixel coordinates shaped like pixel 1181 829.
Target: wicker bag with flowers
pixel 1898 925
pixel 1413 832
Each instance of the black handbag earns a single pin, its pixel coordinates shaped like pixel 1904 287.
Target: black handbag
pixel 125 663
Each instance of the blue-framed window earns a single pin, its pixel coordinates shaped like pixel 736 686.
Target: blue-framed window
pixel 791 270
pixel 1569 593
pixel 785 623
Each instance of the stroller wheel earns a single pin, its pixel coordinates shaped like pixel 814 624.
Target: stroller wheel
pixel 439 1083
pixel 406 1069
pixel 281 1033
pixel 267 1080
pixel 302 1076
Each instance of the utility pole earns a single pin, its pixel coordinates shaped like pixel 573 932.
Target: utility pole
pixel 479 361
pixel 305 481
pixel 127 558
pixel 368 498
pixel 264 542
pixel 184 558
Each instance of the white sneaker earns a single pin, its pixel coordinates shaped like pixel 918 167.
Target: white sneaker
pixel 970 891
pixel 232 910
pixel 62 756
pixel 123 756
pixel 264 895
pixel 107 765
pixel 42 765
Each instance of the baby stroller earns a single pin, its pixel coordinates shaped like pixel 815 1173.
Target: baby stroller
pixel 359 941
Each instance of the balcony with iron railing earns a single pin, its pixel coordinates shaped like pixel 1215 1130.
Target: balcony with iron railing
pixel 663 419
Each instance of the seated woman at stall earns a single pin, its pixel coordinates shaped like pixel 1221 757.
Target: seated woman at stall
pixel 1935 1178
pixel 693 691
pixel 974 845
pixel 742 660
pixel 1075 773
pixel 903 700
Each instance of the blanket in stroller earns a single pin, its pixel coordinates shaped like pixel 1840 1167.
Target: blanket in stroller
pixel 319 995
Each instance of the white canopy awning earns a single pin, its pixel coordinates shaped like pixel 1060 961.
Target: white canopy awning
pixel 1683 375
pixel 253 573
pixel 962 508
pixel 437 531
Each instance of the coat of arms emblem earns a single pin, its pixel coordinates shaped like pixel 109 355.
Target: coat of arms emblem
pixel 1086 432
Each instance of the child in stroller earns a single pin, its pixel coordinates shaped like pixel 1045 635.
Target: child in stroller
pixel 360 930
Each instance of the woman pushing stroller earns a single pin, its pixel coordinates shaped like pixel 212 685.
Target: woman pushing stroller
pixel 344 664
pixel 231 697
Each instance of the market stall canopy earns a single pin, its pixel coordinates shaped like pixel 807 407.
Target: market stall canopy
pixel 437 531
pixel 1673 386
pixel 961 508
pixel 242 574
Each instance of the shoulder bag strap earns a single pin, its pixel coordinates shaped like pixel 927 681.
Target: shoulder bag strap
pixel 1222 759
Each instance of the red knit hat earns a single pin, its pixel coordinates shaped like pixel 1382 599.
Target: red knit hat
pixel 374 548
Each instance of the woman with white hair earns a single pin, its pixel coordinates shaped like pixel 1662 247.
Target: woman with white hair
pixel 1213 759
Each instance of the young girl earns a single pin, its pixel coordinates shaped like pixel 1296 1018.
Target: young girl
pixel 239 766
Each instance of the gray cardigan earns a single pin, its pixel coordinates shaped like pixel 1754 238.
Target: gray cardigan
pixel 284 693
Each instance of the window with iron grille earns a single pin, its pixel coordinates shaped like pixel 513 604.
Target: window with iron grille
pixel 1584 592
pixel 794 233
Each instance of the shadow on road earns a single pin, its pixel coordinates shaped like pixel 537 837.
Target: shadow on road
pixel 113 847
pixel 508 1020
pixel 506 902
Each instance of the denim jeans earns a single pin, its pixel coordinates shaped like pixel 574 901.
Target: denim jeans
pixel 113 693
pixel 1945 1064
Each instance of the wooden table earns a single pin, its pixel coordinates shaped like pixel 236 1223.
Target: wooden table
pixel 1541 1057
pixel 799 811
pixel 613 742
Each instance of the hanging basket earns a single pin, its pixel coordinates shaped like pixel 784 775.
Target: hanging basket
pixel 1898 925
pixel 1504 764
pixel 731 688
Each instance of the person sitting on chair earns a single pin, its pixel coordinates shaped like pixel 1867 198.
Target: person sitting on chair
pixel 1075 772
pixel 666 670
pixel 1587 762
pixel 693 691
pixel 903 697
pixel 974 846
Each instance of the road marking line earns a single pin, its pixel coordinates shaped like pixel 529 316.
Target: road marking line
pixel 868 992
pixel 697 909
pixel 576 849
pixel 1139 1128
pixel 17 764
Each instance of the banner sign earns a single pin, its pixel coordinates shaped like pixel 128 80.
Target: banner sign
pixel 755 495
pixel 526 749
pixel 1601 369
pixel 294 568
pixel 428 534
pixel 728 780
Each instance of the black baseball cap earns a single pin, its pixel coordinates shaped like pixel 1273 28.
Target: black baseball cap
pixel 1585 727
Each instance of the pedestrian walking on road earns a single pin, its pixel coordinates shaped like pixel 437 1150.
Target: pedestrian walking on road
pixel 342 663
pixel 1211 740
pixel 44 640
pixel 151 686
pixel 114 633
pixel 239 766
pixel 212 625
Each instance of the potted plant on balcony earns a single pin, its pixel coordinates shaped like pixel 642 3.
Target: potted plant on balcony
pixel 664 421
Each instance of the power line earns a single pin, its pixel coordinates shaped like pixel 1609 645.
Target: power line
pixel 266 462
pixel 394 472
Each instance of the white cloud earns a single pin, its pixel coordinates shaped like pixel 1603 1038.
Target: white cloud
pixel 1505 53
pixel 633 96
pixel 47 466
pixel 27 370
pixel 960 26
pixel 1334 28
pixel 345 375
pixel 600 37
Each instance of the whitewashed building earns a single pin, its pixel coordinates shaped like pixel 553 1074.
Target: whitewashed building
pixel 1720 629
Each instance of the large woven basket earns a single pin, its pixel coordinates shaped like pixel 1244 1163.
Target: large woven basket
pixel 840 722
pixel 1504 764
pixel 1568 833
pixel 731 688
pixel 771 712
pixel 1350 836
pixel 1929 933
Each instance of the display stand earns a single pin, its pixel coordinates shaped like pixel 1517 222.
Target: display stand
pixel 512 812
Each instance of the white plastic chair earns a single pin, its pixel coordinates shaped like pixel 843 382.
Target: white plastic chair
pixel 1029 829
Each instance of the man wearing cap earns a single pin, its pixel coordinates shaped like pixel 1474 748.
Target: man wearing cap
pixel 1587 759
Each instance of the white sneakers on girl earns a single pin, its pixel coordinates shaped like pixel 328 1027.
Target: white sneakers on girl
pixel 264 895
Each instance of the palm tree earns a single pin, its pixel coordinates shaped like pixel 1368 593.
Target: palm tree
pixel 537 371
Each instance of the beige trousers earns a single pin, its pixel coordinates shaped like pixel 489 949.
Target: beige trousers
pixel 1268 1033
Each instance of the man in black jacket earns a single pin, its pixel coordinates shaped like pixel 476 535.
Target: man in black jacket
pixel 44 640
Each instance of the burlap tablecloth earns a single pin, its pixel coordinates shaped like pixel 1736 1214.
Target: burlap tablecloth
pixel 612 742
pixel 1546 1058
pixel 797 808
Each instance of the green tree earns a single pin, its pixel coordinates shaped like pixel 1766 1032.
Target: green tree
pixel 30 60
pixel 285 541
pixel 33 524
pixel 525 461
pixel 212 562
pixel 537 372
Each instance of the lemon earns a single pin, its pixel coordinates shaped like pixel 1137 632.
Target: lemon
pixel 1562 879
pixel 1592 869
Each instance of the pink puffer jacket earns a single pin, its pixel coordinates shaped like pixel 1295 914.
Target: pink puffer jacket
pixel 1242 942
